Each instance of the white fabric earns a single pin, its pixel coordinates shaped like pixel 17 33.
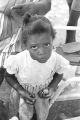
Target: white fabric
pixel 31 72
pixel 14 118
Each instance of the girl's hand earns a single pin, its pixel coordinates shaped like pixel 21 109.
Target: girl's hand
pixel 44 93
pixel 28 97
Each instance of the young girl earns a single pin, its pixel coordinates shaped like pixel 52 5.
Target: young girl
pixel 13 48
pixel 31 71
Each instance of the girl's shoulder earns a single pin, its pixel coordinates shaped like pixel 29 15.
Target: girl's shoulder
pixel 58 57
pixel 14 118
pixel 16 59
pixel 53 57
pixel 20 55
pixel 54 54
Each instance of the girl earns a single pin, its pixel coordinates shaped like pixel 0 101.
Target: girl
pixel 31 71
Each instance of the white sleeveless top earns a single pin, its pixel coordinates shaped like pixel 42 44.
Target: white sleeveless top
pixel 32 74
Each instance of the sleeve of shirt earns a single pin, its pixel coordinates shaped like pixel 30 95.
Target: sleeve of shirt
pixel 63 67
pixel 14 118
pixel 11 65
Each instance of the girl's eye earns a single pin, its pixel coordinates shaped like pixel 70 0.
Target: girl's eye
pixel 34 47
pixel 47 44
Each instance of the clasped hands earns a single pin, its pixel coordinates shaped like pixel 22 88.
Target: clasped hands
pixel 30 98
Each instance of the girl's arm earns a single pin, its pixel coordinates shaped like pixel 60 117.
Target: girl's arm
pixel 12 81
pixel 56 79
pixel 2 71
pixel 46 93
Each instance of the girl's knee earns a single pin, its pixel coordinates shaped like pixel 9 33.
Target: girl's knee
pixel 25 110
pixel 14 98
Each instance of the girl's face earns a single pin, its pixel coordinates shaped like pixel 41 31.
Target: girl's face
pixel 40 46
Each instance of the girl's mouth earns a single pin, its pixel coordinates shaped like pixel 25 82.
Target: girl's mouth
pixel 42 60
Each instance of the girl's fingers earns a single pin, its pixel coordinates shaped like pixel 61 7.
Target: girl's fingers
pixel 46 96
pixel 29 100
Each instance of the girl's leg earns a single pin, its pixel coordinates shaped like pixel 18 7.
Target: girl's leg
pixel 25 110
pixel 42 105
pixel 14 99
pixel 34 115
pixel 73 19
pixel 42 108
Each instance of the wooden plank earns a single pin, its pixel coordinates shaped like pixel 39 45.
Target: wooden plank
pixel 75 118
pixel 69 96
pixel 75 58
pixel 71 47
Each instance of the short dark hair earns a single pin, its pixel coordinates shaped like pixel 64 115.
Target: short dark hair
pixel 36 24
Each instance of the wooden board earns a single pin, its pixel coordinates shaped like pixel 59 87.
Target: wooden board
pixel 75 118
pixel 71 47
pixel 72 57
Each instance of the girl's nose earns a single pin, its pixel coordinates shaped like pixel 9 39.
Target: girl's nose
pixel 41 51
